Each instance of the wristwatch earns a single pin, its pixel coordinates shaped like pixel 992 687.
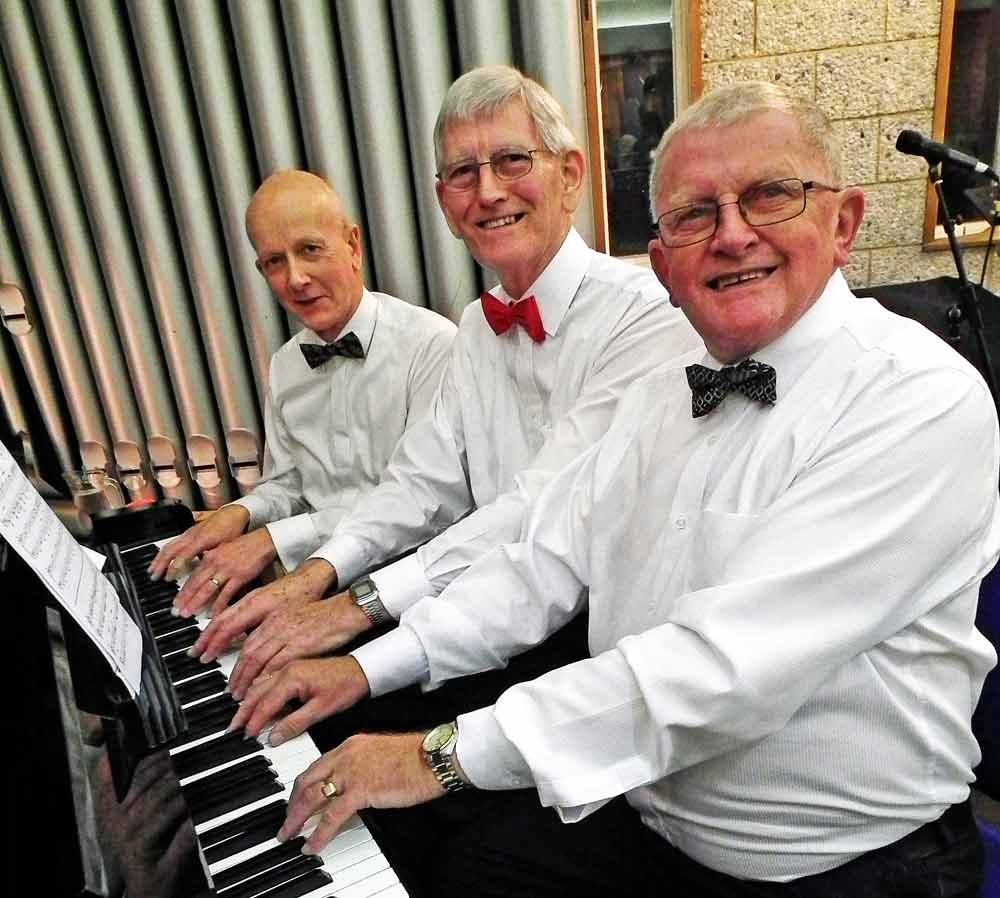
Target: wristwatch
pixel 439 750
pixel 365 595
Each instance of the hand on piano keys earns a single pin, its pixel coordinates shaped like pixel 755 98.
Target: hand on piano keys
pixel 223 572
pixel 176 557
pixel 369 770
pixel 320 686
pixel 237 788
pixel 282 625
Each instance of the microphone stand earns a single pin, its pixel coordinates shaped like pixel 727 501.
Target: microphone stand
pixel 968 303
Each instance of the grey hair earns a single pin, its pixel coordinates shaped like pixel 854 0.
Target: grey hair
pixel 733 103
pixel 483 92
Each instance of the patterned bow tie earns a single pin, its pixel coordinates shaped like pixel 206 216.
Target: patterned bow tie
pixel 501 316
pixel 755 380
pixel 349 346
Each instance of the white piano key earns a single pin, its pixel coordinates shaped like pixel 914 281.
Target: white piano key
pixel 369 884
pixel 397 890
pixel 348 847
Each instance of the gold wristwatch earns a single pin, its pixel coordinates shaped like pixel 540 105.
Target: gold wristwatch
pixel 439 750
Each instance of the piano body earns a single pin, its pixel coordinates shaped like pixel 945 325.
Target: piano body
pixel 170 806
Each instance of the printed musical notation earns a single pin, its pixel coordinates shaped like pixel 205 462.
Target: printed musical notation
pixel 36 534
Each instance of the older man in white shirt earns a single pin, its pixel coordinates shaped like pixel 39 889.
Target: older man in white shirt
pixel 536 371
pixel 783 536
pixel 340 392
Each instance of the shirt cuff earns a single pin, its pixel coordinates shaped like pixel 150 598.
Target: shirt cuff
pixel 402 584
pixel 487 757
pixel 393 661
pixel 294 538
pixel 258 508
pixel 346 555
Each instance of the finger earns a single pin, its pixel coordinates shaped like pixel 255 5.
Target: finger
pixel 167 554
pixel 297 722
pixel 337 812
pixel 196 593
pixel 226 594
pixel 207 645
pixel 282 659
pixel 268 706
pixel 253 656
pixel 306 799
pixel 221 632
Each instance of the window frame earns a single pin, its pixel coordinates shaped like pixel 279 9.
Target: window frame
pixel 931 243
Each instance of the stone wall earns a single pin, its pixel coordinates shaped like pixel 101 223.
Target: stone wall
pixel 872 66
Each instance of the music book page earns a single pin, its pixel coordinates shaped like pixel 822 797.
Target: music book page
pixel 37 535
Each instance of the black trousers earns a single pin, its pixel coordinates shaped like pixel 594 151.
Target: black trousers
pixel 479 843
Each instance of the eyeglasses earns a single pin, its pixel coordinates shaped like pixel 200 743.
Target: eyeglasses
pixel 762 204
pixel 508 164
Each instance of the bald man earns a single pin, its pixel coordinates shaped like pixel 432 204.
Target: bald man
pixel 340 393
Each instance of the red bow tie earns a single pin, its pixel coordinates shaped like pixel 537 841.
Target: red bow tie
pixel 501 316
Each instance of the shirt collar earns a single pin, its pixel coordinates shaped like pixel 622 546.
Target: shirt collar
pixel 556 286
pixel 793 351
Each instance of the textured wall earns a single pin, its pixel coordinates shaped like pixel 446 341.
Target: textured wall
pixel 872 66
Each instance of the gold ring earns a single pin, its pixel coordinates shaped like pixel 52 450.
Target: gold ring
pixel 329 789
pixel 217 582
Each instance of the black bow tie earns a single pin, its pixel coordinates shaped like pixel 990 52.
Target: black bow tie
pixel 755 380
pixel 349 346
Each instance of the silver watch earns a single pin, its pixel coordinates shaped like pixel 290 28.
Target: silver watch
pixel 365 595
pixel 439 750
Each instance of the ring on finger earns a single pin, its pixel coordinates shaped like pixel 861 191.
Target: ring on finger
pixel 330 789
pixel 217 582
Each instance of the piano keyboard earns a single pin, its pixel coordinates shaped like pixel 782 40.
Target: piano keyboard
pixel 237 789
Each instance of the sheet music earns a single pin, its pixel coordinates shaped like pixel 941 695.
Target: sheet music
pixel 37 535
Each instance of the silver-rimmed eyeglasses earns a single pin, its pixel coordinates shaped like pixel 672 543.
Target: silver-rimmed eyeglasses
pixel 508 164
pixel 760 205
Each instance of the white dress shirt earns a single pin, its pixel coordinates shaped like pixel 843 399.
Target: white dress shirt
pixel 330 431
pixel 781 604
pixel 510 413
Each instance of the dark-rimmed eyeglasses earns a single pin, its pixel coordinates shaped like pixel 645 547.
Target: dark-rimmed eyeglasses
pixel 760 205
pixel 508 164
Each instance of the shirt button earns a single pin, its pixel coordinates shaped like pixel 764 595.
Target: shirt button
pixel 713 439
pixel 681 522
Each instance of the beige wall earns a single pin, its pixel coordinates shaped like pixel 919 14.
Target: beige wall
pixel 872 66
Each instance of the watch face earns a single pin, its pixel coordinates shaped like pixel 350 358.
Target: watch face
pixel 438 738
pixel 363 589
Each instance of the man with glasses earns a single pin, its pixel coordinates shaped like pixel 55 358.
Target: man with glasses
pixel 536 372
pixel 783 539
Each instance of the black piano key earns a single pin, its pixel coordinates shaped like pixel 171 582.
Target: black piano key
pixel 211 683
pixel 182 666
pixel 162 623
pixel 286 875
pixel 266 860
pixel 210 725
pixel 252 769
pixel 216 751
pixel 221 804
pixel 259 824
pixel 178 640
pixel 155 604
pixel 245 840
pixel 222 702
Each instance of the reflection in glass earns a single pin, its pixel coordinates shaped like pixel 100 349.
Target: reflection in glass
pixel 635 44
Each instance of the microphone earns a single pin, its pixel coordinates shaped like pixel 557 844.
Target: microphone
pixel 913 143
